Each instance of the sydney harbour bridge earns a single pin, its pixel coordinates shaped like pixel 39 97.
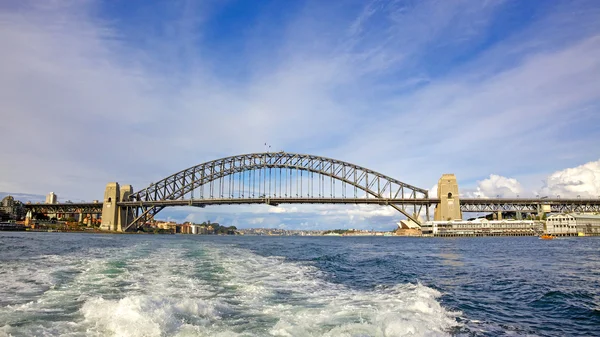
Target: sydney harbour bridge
pixel 275 178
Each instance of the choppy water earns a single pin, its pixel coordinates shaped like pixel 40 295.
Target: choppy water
pixel 58 284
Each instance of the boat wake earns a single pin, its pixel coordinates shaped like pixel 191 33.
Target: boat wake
pixel 217 290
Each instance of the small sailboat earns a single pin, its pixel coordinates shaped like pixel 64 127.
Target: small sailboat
pixel 547 237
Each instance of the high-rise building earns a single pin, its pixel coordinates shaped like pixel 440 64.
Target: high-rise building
pixel 11 209
pixel 51 198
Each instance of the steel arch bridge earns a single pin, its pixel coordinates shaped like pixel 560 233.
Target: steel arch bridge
pixel 274 178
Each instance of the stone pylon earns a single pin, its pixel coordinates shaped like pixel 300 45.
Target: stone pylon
pixel 115 218
pixel 125 215
pixel 449 206
pixel 110 211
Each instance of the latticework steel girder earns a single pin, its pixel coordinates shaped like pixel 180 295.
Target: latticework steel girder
pixel 261 168
pixel 467 205
pixel 576 208
pixel 531 205
pixel 85 208
pixel 275 202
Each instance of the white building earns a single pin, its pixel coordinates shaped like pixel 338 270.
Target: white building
pixel 561 225
pixel 588 224
pixel 482 227
pixel 51 198
pixel 408 227
pixel 573 225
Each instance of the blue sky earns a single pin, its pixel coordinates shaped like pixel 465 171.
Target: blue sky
pixel 502 93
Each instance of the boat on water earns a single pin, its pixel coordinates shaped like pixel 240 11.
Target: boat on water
pixel 547 237
pixel 11 226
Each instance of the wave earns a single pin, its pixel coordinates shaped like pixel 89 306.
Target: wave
pixel 219 290
pixel 254 295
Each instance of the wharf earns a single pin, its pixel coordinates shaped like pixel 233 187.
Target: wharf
pixel 8 226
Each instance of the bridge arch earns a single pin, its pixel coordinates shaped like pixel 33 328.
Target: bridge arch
pixel 373 184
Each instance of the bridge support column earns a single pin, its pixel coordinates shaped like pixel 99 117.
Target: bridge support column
pixel 125 214
pixel 449 206
pixel 110 211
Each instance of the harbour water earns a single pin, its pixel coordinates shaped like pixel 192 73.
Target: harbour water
pixel 58 284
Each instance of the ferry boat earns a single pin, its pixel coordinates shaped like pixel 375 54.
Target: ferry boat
pixel 547 237
pixel 11 226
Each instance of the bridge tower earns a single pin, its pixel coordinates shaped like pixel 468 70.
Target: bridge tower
pixel 125 214
pixel 447 192
pixel 110 211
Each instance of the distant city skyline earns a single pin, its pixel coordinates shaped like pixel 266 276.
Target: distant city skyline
pixel 501 93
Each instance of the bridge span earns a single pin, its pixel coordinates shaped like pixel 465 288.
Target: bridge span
pixel 532 205
pixel 275 178
pixel 467 205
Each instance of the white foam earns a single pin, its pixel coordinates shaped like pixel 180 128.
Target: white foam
pixel 4 331
pixel 224 291
pixel 146 316
pixel 316 307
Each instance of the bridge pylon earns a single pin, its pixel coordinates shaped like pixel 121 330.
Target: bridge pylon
pixel 447 192
pixel 110 214
pixel 114 217
pixel 125 213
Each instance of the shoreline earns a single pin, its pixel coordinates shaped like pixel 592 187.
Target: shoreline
pixel 275 236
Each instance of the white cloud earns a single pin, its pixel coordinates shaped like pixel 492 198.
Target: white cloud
pixel 277 210
pixel 583 180
pixel 256 221
pixel 496 185
pixel 433 192
pixel 359 211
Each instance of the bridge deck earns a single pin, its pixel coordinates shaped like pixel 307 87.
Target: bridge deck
pixel 467 204
pixel 277 201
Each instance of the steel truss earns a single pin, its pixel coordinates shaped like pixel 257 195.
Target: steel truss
pixel 85 208
pixel 530 205
pixel 277 175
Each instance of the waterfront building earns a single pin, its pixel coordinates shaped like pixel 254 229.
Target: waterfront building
pixel 588 224
pixel 168 225
pixel 11 209
pixel 561 225
pixel 6 207
pixel 408 227
pixel 185 228
pixel 482 227
pixel 573 225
